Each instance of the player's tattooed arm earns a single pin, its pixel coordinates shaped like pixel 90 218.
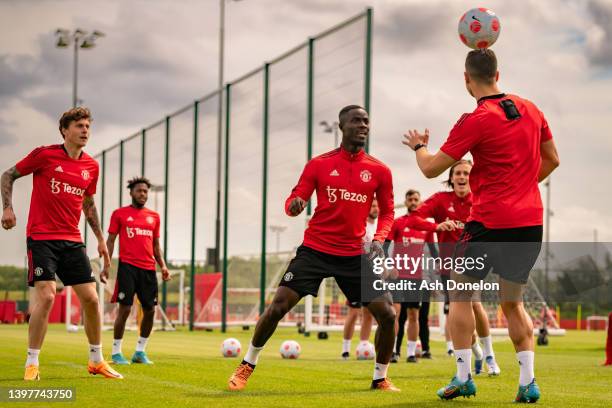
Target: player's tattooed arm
pixel 6 185
pixel 91 215
pixel 7 180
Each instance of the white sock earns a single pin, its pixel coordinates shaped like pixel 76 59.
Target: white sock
pixel 346 345
pixel 395 344
pixel 526 362
pixel 477 350
pixel 380 371
pixel 411 348
pixel 95 353
pixel 487 346
pixel 141 344
pixel 252 354
pixel 464 364
pixel 449 345
pixel 32 357
pixel 117 346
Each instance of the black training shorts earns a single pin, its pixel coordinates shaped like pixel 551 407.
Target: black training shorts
pixel 65 259
pixel 309 267
pixel 134 280
pixel 511 252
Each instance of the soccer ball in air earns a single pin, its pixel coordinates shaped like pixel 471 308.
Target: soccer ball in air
pixel 479 28
pixel 230 347
pixel 290 349
pixel 365 351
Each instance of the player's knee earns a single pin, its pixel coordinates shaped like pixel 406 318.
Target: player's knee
pixel 45 299
pixel 89 300
pixel 148 310
pixel 278 309
pixel 386 317
pixel 511 307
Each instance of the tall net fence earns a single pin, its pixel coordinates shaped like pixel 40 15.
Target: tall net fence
pixel 220 185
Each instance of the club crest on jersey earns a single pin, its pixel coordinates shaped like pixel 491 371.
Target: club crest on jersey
pixel 38 271
pixel 288 276
pixel 150 219
pixel 365 175
pixel 85 175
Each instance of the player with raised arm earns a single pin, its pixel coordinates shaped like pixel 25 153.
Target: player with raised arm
pixel 65 179
pixel 513 150
pixel 346 181
pixel 139 248
pixel 454 206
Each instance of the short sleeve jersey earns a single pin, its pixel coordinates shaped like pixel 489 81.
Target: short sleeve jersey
pixel 137 228
pixel 506 153
pixel 59 185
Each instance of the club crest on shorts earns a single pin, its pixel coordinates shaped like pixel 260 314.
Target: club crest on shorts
pixel 365 175
pixel 288 276
pixel 38 271
pixel 85 175
pixel 121 295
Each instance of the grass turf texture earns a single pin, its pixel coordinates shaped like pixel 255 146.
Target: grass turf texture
pixel 189 370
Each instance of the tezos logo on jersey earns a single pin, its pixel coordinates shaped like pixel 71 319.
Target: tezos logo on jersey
pixel 345 195
pixel 85 175
pixel 365 175
pixel 58 186
pixel 38 271
pixel 133 231
pixel 288 276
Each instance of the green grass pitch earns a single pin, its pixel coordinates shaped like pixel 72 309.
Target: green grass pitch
pixel 189 371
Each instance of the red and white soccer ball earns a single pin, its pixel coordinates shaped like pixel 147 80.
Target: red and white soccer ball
pixel 230 347
pixel 479 28
pixel 290 349
pixel 365 351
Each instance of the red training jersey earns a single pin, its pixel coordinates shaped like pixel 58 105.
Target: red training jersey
pixel 345 184
pixel 504 179
pixel 58 187
pixel 443 206
pixel 410 242
pixel 137 228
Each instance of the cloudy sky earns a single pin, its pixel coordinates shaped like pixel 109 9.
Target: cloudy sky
pixel 160 55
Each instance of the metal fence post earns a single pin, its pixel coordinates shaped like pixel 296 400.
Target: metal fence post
pixel 225 207
pixel 143 149
pixel 368 67
pixel 120 173
pixel 264 198
pixel 166 190
pixel 310 109
pixel 194 192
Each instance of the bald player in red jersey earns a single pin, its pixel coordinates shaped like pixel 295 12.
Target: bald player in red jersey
pixel 138 230
pixel 454 207
pixel 65 179
pixel 513 150
pixel 410 242
pixel 345 181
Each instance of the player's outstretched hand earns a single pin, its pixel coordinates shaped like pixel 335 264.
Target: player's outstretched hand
pixel 296 206
pixel 413 138
pixel 448 225
pixel 8 218
pixel 376 250
pixel 165 274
